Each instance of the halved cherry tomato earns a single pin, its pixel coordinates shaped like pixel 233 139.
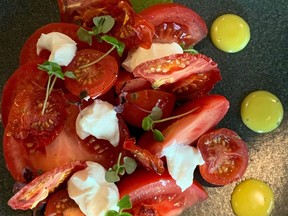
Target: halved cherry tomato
pixel 186 75
pixel 27 122
pixel 225 155
pixel 141 103
pixel 38 190
pixel 95 79
pixel 18 81
pixel 175 23
pixel 61 204
pixel 153 194
pixel 206 112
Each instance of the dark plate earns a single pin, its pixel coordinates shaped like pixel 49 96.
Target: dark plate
pixel 263 64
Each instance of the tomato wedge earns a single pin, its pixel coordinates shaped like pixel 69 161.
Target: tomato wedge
pixel 225 155
pixel 38 190
pixel 93 80
pixel 61 204
pixel 186 75
pixel 206 112
pixel 175 23
pixel 152 194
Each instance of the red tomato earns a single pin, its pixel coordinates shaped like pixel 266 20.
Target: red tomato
pixel 95 79
pixel 38 190
pixel 225 155
pixel 18 81
pixel 175 23
pixel 186 75
pixel 61 204
pixel 158 194
pixel 66 148
pixel 28 125
pixel 206 113
pixel 139 104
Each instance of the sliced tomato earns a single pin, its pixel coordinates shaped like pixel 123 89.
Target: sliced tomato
pixel 175 23
pixel 225 155
pixel 28 123
pixel 141 103
pixel 202 114
pixel 153 194
pixel 61 204
pixel 186 75
pixel 38 190
pixel 18 81
pixel 95 79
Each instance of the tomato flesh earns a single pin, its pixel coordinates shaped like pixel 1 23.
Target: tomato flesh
pixel 175 23
pixel 225 155
pixel 158 194
pixel 95 79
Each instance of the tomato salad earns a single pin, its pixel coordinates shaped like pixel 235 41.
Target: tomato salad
pixel 137 132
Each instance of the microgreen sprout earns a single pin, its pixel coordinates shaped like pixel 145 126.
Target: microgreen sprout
pixel 113 174
pixel 154 117
pixel 54 71
pixel 103 24
pixel 123 204
pixel 190 50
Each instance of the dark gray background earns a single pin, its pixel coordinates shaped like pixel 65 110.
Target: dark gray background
pixel 261 65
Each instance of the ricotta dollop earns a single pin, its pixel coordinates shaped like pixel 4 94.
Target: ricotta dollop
pixel 157 50
pixel 99 120
pixel 61 46
pixel 182 161
pixel 93 194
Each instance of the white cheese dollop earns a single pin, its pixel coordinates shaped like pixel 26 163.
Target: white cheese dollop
pixel 93 194
pixel 157 50
pixel 99 120
pixel 182 161
pixel 62 47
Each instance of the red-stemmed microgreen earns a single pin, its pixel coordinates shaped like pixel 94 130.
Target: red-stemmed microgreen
pixel 113 174
pixel 54 71
pixel 154 117
pixel 123 204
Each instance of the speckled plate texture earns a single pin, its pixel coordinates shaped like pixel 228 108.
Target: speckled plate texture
pixel 262 65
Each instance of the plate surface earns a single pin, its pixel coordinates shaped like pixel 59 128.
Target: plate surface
pixel 261 65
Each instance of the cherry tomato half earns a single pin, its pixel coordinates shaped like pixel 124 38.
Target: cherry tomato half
pixel 225 155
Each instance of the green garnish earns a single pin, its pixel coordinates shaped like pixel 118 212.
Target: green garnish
pixel 155 117
pixel 139 5
pixel 113 174
pixel 190 50
pixel 103 24
pixel 123 204
pixel 54 71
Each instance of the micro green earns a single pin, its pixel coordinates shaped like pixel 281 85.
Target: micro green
pixel 54 71
pixel 103 24
pixel 154 117
pixel 190 50
pixel 113 174
pixel 123 204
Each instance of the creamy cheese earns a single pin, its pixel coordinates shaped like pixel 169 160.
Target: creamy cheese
pixel 182 161
pixel 62 47
pixel 93 194
pixel 157 50
pixel 99 120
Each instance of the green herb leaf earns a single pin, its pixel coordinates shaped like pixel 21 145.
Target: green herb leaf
pixel 156 113
pixel 52 68
pixel 104 23
pixel 125 203
pixel 129 164
pixel 147 123
pixel 84 35
pixel 70 74
pixel 114 42
pixel 112 213
pixel 158 136
pixel 112 176
pixel 125 214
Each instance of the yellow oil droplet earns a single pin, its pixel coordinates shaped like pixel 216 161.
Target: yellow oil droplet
pixel 252 197
pixel 230 33
pixel 261 111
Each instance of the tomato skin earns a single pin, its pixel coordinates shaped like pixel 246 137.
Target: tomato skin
pixel 61 204
pixel 208 112
pixel 171 24
pixel 18 81
pixel 96 79
pixel 225 155
pixel 167 199
pixel 141 103
pixel 38 189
